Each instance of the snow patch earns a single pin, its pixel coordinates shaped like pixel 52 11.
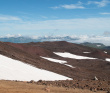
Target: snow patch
pixel 69 65
pixel 86 52
pixel 55 60
pixel 11 69
pixel 107 59
pixel 58 61
pixel 98 45
pixel 105 52
pixel 73 56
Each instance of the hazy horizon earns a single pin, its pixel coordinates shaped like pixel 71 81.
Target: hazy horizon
pixel 54 17
pixel 69 38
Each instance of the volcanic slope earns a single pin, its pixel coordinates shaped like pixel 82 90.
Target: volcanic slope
pixel 68 59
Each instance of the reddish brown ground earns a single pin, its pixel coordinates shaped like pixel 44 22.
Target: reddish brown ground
pixel 85 69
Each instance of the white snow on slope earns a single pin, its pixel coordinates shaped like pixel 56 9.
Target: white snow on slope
pixel 58 61
pixel 73 56
pixel 107 59
pixel 55 60
pixel 86 52
pixel 105 52
pixel 98 45
pixel 11 69
pixel 69 65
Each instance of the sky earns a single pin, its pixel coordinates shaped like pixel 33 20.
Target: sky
pixel 54 17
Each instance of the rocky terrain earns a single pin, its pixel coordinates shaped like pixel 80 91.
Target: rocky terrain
pixel 92 85
pixel 32 53
pixel 29 87
pixel 82 63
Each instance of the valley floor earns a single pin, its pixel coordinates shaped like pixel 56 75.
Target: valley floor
pixel 24 87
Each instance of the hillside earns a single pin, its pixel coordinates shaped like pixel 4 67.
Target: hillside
pixel 24 39
pixel 68 59
pixel 96 45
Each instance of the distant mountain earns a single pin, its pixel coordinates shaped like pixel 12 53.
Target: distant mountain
pixel 39 39
pixel 18 39
pixel 57 38
pixel 96 45
pixel 107 48
pixel 21 39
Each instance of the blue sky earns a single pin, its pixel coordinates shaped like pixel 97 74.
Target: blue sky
pixel 54 17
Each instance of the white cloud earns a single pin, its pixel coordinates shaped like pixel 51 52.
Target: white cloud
pixel 55 7
pixel 89 38
pixel 81 25
pixel 105 13
pixel 10 35
pixel 44 17
pixel 102 3
pixel 60 27
pixel 9 18
pixel 94 39
pixel 80 5
pixel 70 6
pixel 104 39
pixel 81 38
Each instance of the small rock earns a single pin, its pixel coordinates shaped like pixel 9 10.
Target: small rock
pixel 32 81
pixel 95 78
pixel 108 91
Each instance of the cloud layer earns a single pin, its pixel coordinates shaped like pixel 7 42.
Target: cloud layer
pixel 104 39
pixel 70 6
pixel 94 39
pixel 102 3
pixel 80 5
pixel 81 25
pixel 105 13
pixel 9 18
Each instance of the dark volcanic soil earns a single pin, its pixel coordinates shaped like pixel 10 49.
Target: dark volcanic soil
pixel 84 69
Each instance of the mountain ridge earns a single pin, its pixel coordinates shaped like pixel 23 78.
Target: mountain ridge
pixel 84 68
pixel 22 39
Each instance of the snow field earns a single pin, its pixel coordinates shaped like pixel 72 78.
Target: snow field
pixel 105 52
pixel 54 60
pixel 98 45
pixel 107 59
pixel 73 56
pixel 11 69
pixel 69 65
pixel 58 61
pixel 86 52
